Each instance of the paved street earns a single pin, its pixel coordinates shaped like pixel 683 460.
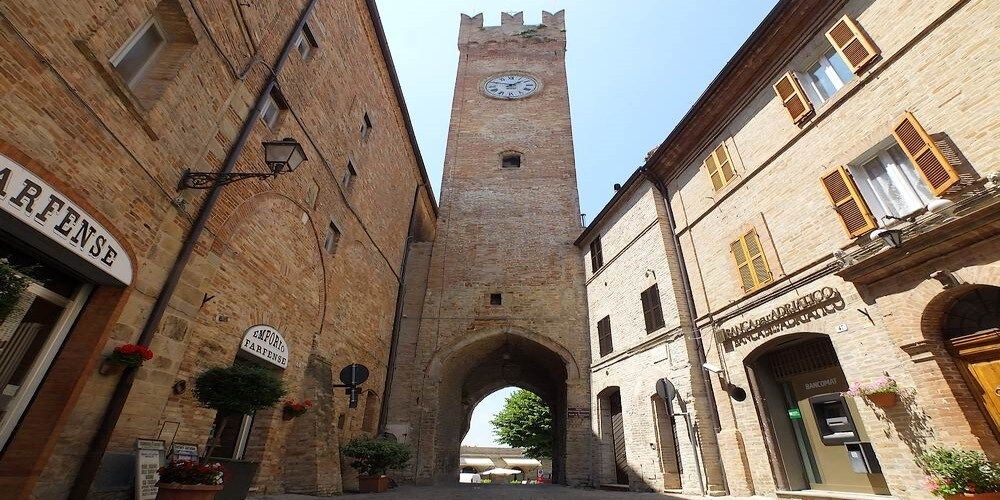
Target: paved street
pixel 490 492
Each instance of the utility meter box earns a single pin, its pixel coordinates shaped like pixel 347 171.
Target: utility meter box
pixel 862 457
pixel 833 419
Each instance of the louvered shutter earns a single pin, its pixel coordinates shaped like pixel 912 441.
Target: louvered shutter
pixel 848 204
pixel 742 265
pixel 792 97
pixel 924 154
pixel 854 47
pixel 725 164
pixel 755 254
pixel 713 171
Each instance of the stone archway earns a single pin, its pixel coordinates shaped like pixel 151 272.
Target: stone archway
pixel 461 376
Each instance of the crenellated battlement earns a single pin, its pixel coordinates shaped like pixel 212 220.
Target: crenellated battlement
pixel 512 28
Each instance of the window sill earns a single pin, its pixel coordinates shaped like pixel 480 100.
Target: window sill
pixel 118 87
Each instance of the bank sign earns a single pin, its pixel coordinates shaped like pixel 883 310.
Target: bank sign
pixel 266 343
pixel 800 310
pixel 50 213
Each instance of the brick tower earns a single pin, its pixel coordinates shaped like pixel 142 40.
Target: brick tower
pixel 498 297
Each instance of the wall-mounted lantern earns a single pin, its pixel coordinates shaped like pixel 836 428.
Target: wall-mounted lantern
pixel 282 157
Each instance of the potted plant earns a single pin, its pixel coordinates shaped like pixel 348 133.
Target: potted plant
pixel 241 389
pixel 882 392
pixel 292 409
pixel 372 458
pixel 125 355
pixel 189 480
pixel 955 474
pixel 12 286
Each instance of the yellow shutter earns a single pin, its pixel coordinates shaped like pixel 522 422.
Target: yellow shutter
pixel 751 264
pixel 792 97
pixel 854 47
pixel 720 167
pixel 924 154
pixel 848 204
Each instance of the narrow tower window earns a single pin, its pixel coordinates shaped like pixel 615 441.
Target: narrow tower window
pixel 496 299
pixel 510 160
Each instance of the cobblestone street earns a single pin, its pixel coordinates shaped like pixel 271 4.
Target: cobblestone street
pixel 490 492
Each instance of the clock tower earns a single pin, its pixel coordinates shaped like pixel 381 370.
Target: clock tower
pixel 504 302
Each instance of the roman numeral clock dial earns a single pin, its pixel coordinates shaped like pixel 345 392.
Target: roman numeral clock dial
pixel 511 86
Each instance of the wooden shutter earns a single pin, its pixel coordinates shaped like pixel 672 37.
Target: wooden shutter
pixel 604 335
pixel 751 264
pixel 848 204
pixel 792 97
pixel 720 167
pixel 924 154
pixel 854 47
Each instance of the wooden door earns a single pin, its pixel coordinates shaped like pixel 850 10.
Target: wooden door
pixel 618 438
pixel 979 357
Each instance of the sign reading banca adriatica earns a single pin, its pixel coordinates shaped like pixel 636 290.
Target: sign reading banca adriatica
pixel 49 212
pixel 266 343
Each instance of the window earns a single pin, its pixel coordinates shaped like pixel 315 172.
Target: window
pixel 139 52
pixel 332 238
pixel 891 182
pixel 851 43
pixel 271 112
pixel 652 312
pixel 891 185
pixel 496 299
pixel 604 335
pixel 596 255
pixel 750 261
pixel 349 174
pixel 510 160
pixel 826 77
pixel 720 167
pixel 306 42
pixel 366 126
pixel 312 194
pixel 792 98
pixel 154 54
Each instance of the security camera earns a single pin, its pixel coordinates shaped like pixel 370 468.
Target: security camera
pixel 712 368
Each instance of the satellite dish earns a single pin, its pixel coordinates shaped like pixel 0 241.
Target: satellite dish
pixel 354 374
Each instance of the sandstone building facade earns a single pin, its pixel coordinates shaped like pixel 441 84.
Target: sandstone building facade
pixel 498 298
pixel 103 109
pixel 640 333
pixel 834 196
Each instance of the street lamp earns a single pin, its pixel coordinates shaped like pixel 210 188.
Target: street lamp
pixel 892 238
pixel 281 157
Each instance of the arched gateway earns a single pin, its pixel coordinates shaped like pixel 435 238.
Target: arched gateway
pixel 498 298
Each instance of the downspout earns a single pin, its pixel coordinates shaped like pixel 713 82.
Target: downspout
pixel 675 243
pixel 99 444
pixel 398 317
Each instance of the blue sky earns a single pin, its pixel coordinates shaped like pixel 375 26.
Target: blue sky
pixel 635 67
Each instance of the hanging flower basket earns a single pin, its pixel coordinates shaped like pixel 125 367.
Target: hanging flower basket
pixel 293 410
pixel 126 355
pixel 882 392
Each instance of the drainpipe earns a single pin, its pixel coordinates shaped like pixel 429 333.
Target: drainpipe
pixel 99 444
pixel 675 243
pixel 398 317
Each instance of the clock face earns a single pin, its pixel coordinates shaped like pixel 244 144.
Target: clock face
pixel 511 86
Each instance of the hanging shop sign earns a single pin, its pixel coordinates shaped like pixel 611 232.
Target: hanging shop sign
pixel 49 212
pixel 266 343
pixel 801 310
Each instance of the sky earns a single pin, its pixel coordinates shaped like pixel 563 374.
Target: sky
pixel 635 67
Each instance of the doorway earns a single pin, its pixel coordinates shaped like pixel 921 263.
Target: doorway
pixel 816 430
pixel 668 448
pixel 971 332
pixel 32 330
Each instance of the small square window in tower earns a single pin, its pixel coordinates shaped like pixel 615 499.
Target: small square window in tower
pixel 274 106
pixel 332 238
pixel 510 160
pixel 366 127
pixel 496 299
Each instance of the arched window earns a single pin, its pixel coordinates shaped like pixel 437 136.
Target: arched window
pixel 975 312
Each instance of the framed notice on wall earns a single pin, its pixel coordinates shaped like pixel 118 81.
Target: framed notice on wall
pixel 150 455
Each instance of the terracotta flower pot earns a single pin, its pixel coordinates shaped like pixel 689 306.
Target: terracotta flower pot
pixel 373 484
pixel 975 496
pixel 174 491
pixel 883 399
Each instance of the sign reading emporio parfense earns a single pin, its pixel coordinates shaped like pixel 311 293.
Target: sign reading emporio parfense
pixel 266 343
